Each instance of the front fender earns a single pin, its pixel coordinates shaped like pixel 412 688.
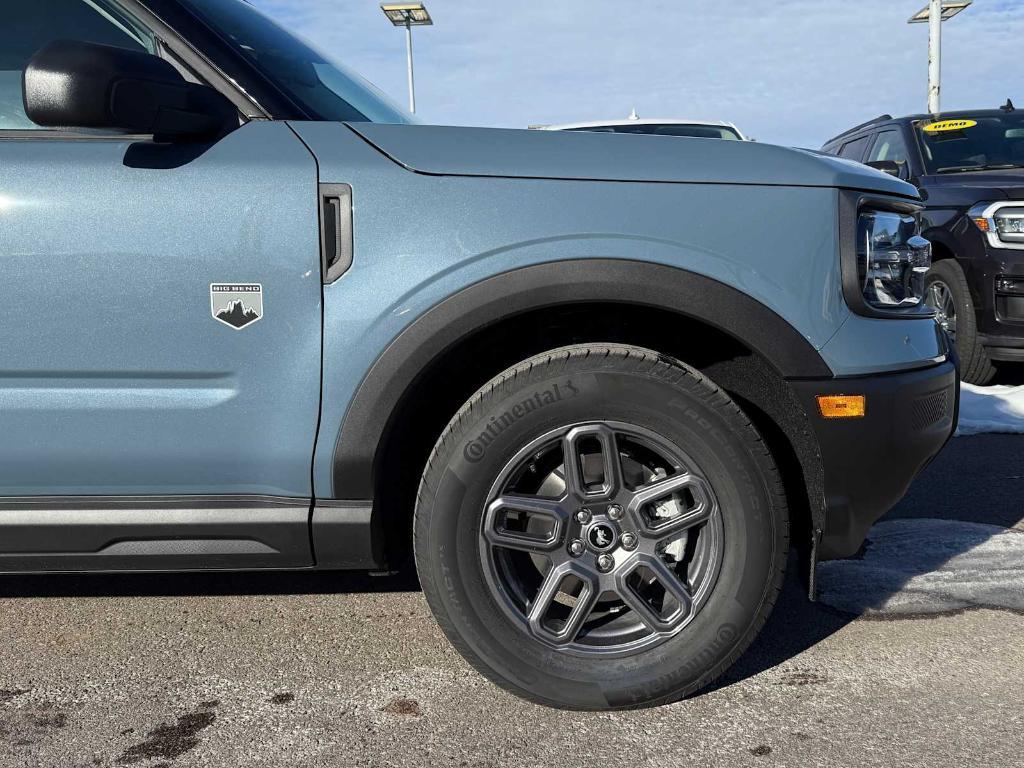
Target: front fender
pixel 420 239
pixel 535 287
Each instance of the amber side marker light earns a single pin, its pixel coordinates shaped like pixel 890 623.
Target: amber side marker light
pixel 842 406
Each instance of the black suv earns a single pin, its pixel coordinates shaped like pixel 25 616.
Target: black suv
pixel 969 167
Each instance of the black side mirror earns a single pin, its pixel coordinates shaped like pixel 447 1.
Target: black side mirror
pixel 71 84
pixel 885 166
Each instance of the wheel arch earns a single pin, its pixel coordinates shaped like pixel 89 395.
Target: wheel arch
pixel 942 250
pixel 432 367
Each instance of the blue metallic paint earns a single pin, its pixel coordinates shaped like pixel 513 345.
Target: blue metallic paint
pixel 446 150
pixel 114 377
pixel 419 238
pixel 101 401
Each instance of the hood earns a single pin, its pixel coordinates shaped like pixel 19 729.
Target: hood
pixel 453 151
pixel 971 186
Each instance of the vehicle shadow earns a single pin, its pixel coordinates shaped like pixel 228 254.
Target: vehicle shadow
pixel 204 584
pixel 978 479
pixel 1009 373
pixel 795 625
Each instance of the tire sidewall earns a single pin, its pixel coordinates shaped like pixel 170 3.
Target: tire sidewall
pixel 976 366
pixel 449 520
pixel 951 276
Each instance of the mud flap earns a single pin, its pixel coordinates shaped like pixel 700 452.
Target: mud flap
pixel 812 567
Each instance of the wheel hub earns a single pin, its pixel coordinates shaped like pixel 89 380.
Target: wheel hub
pixel 601 536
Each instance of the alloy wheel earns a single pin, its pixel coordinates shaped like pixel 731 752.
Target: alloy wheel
pixel 601 538
pixel 940 299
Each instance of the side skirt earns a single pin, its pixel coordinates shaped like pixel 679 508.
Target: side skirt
pixel 153 533
pixel 345 536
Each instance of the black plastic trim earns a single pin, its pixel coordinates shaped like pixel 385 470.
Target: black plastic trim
pixel 183 49
pixel 546 285
pixel 208 50
pixel 173 501
pixel 344 536
pixel 337 241
pixel 153 533
pixel 869 463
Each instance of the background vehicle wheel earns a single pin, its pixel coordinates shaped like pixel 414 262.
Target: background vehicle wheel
pixel 946 292
pixel 601 527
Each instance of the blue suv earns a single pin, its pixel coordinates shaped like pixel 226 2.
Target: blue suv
pixel 596 385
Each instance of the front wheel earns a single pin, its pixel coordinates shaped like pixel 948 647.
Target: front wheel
pixel 601 527
pixel 949 296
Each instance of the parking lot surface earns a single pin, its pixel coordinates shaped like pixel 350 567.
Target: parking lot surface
pixel 345 670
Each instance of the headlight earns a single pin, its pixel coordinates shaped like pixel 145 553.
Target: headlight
pixel 892 259
pixel 1002 223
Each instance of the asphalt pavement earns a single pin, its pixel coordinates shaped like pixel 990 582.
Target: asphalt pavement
pixel 284 669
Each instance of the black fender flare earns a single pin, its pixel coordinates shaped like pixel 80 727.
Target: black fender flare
pixel 536 287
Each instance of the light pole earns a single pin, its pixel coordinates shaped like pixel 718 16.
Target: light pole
pixel 936 12
pixel 408 15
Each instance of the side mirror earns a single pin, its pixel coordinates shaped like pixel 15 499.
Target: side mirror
pixel 885 166
pixel 71 84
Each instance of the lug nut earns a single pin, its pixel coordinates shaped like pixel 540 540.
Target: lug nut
pixel 629 540
pixel 583 515
pixel 576 547
pixel 605 562
pixel 615 512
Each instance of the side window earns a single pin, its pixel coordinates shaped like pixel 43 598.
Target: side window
pixel 854 150
pixel 890 146
pixel 25 27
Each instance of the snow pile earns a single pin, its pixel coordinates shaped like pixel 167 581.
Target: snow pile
pixel 991 409
pixel 928 566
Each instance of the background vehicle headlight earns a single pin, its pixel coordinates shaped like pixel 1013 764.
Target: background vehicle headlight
pixel 892 259
pixel 1003 223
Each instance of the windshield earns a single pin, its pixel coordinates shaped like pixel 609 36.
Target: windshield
pixel 967 143
pixel 670 129
pixel 325 89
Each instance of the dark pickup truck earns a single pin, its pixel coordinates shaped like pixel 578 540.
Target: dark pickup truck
pixel 969 168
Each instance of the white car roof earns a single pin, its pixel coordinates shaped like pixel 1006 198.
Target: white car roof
pixel 643 121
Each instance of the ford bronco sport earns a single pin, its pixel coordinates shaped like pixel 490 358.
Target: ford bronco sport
pixel 596 384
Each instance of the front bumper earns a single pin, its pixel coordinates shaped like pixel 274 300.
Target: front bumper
pixel 870 462
pixel 1000 314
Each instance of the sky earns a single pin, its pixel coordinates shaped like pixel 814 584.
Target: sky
pixel 792 72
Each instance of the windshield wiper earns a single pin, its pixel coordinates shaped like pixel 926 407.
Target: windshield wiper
pixel 964 168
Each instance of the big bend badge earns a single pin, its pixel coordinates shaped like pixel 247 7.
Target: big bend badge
pixel 236 304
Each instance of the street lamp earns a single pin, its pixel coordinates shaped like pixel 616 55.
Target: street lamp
pixel 408 15
pixel 936 12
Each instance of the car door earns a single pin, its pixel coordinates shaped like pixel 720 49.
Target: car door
pixel 161 315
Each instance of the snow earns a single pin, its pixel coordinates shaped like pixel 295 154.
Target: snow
pixel 925 566
pixel 991 409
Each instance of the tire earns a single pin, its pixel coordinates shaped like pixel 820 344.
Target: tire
pixel 946 287
pixel 490 554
